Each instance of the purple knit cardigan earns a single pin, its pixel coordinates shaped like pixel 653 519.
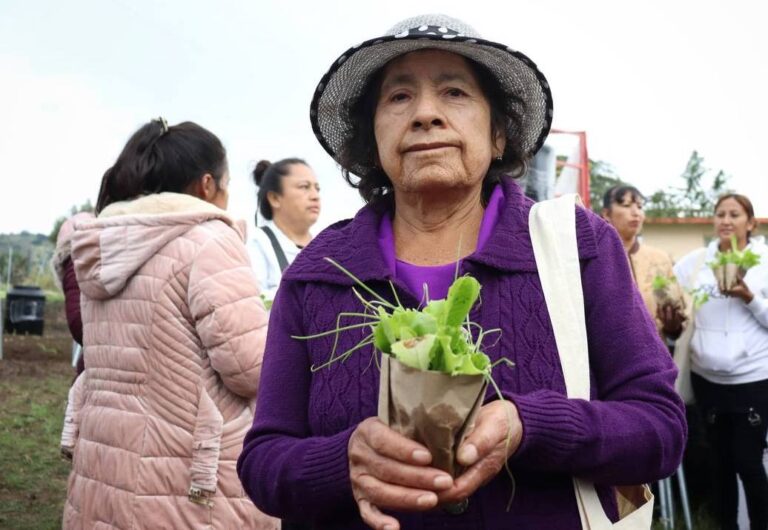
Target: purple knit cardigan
pixel 294 463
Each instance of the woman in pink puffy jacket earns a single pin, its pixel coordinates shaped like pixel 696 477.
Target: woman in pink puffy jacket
pixel 173 334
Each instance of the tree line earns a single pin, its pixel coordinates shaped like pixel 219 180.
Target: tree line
pixel 27 256
pixel 694 195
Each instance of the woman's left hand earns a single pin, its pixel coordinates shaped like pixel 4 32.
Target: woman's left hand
pixel 741 291
pixel 495 437
pixel 672 319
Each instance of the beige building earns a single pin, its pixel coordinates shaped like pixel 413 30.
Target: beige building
pixel 677 236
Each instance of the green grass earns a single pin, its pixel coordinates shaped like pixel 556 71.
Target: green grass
pixel 32 474
pixel 700 519
pixel 52 296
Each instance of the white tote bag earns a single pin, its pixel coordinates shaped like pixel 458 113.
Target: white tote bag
pixel 552 226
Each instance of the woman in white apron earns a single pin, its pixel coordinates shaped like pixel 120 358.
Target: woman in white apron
pixel 289 204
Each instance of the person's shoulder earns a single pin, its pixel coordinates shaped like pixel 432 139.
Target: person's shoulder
pixel 331 235
pixel 588 223
pixel 689 260
pixel 588 220
pixel 759 246
pixel 212 234
pixel 590 227
pixel 591 230
pixel 258 238
pixel 217 228
pixel 327 244
pixel 353 243
pixel 655 254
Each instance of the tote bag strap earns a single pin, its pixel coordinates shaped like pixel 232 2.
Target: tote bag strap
pixel 552 226
pixel 282 261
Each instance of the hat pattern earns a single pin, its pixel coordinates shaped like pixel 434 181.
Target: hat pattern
pixel 424 29
pixel 525 86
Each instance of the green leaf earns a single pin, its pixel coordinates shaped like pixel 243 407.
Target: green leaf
pixel 415 352
pixel 267 302
pixel 437 337
pixel 661 282
pixel 380 339
pixel 462 295
pixel 746 259
pixel 749 259
pixel 437 308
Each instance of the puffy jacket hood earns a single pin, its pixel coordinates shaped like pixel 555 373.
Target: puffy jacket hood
pixel 108 251
pixel 64 245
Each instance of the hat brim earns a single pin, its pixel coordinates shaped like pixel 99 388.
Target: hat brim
pixel 519 78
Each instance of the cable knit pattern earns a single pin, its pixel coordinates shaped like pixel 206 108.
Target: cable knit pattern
pixel 174 331
pixel 294 462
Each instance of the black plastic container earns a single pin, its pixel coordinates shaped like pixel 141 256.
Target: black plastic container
pixel 24 310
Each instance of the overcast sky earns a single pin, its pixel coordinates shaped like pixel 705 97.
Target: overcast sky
pixel 648 81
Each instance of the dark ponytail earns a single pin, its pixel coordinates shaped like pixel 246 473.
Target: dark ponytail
pixel 160 158
pixel 269 177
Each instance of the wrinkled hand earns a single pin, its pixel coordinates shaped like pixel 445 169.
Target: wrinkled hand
pixel 495 437
pixel 389 471
pixel 672 319
pixel 741 291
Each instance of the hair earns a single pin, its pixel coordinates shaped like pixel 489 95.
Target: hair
pixel 268 177
pixel 359 149
pixel 615 194
pixel 159 158
pixel 745 203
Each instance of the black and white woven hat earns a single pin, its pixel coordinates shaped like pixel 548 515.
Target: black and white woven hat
pixel 516 74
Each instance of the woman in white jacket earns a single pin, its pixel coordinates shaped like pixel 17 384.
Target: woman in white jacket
pixel 289 202
pixel 729 361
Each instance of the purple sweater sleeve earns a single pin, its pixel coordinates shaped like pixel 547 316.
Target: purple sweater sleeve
pixel 634 430
pixel 72 301
pixel 313 471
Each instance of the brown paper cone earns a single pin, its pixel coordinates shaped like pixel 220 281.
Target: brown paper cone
pixel 677 295
pixel 432 408
pixel 719 272
pixel 662 297
pixel 731 275
pixel 670 295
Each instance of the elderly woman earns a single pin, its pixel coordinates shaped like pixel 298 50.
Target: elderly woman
pixel 436 121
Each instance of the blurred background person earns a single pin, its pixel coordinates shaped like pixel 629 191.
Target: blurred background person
pixel 64 273
pixel 729 362
pixel 623 209
pixel 174 333
pixel 289 202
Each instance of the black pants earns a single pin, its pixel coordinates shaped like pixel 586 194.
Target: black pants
pixel 736 421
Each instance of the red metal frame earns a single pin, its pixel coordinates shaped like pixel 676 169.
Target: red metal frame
pixel 582 166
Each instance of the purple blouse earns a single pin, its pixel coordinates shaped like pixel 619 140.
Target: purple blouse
pixel 437 278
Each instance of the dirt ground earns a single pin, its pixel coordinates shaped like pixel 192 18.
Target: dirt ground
pixel 35 375
pixel 30 356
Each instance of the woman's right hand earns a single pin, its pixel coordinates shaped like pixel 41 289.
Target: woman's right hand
pixel 389 471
